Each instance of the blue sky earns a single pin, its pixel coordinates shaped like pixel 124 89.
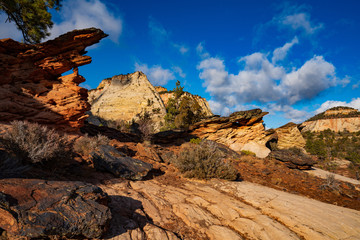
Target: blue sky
pixel 291 58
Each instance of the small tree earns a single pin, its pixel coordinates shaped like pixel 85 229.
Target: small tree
pixel 31 17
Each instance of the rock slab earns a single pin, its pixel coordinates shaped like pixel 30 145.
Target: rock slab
pixel 108 159
pixel 38 208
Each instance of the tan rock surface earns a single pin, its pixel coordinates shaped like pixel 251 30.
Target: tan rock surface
pixel 289 136
pixel 335 124
pixel 235 131
pixel 225 210
pixel 122 97
pixel 31 85
pixel 335 119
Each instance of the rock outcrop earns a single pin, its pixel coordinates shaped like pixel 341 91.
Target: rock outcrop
pixel 37 209
pixel 289 136
pixel 336 119
pixel 124 97
pixel 31 85
pixel 107 158
pixel 204 105
pixel 242 130
pixel 223 210
pixel 294 161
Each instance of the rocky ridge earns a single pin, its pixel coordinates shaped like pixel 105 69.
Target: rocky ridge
pixel 336 119
pixel 31 85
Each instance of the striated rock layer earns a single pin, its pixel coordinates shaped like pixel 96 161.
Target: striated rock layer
pixel 123 97
pixel 334 124
pixel 336 119
pixel 222 210
pixel 289 136
pixel 31 85
pixel 242 130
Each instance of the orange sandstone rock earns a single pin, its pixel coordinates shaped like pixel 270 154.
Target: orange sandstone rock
pixel 31 85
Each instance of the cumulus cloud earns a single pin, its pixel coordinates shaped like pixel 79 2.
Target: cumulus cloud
pixel 201 51
pixel 78 14
pixel 281 52
pixel 295 115
pixel 356 85
pixel 8 30
pixel 262 81
pixel 300 21
pixel 156 74
pixel 354 103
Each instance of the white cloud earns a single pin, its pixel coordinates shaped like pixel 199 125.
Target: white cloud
pixel 157 31
pixel 9 30
pixel 354 103
pixel 281 52
pixel 356 85
pixel 300 21
pixel 182 48
pixel 179 71
pixel 264 82
pixel 156 74
pixel 201 51
pixel 296 116
pixel 218 108
pixel 78 14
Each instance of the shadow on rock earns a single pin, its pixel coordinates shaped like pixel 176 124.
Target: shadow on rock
pixel 127 214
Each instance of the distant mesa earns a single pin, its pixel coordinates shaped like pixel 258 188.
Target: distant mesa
pixel 336 119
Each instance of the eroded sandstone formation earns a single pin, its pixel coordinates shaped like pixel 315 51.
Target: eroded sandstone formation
pixel 242 130
pixel 124 97
pixel 289 136
pixel 336 119
pixel 31 85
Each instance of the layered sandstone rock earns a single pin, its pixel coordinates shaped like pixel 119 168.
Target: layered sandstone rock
pixel 124 97
pixel 204 105
pixel 31 85
pixel 242 130
pixel 289 136
pixel 222 210
pixel 336 119
pixel 39 209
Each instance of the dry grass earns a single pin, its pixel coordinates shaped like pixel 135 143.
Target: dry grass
pixel 204 161
pixel 33 142
pixel 85 145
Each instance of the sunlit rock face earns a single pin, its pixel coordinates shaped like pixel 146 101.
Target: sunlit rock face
pixel 336 119
pixel 31 85
pixel 125 97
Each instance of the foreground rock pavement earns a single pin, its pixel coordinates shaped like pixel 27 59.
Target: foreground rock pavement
pixel 159 209
pixel 31 208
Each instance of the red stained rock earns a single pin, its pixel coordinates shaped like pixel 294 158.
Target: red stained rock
pixel 31 85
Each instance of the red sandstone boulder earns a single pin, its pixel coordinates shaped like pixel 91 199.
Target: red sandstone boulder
pixel 31 85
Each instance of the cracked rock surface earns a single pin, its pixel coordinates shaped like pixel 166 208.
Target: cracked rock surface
pixel 38 208
pixel 183 209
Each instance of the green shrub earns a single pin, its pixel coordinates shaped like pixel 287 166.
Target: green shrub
pixel 33 142
pixel 195 140
pixel 247 152
pixel 204 161
pixel 85 145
